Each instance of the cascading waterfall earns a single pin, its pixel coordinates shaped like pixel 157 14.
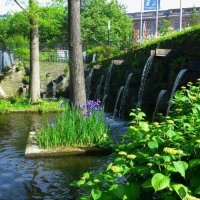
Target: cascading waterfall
pixel 98 90
pixel 117 100
pixel 176 83
pixel 107 84
pixel 124 95
pixel 103 101
pixel 88 83
pixel 160 96
pixel 145 73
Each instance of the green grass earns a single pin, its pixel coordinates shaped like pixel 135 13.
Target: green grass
pixel 19 104
pixel 74 129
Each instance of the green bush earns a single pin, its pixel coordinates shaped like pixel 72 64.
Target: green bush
pixel 104 52
pixel 22 53
pixel 155 160
pixel 20 67
pixel 26 80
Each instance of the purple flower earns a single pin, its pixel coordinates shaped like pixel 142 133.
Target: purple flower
pixel 85 116
pixel 79 105
pixel 52 123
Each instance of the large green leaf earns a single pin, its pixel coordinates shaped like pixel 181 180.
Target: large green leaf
pixel 86 175
pixel 132 191
pixel 144 126
pixel 153 145
pixel 181 190
pixel 194 163
pixel 160 181
pixel 147 184
pixel 118 191
pixel 181 166
pixel 197 190
pixel 170 133
pixel 96 194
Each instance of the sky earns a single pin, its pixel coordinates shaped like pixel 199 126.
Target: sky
pixel 132 5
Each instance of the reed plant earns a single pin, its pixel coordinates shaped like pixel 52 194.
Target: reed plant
pixel 73 128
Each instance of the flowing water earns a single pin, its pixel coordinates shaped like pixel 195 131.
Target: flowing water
pixel 98 90
pixel 117 100
pixel 107 82
pixel 44 178
pixel 145 73
pixel 160 96
pixel 176 83
pixel 124 96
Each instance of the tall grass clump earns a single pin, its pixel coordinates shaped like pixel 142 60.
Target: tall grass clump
pixel 159 160
pixel 73 128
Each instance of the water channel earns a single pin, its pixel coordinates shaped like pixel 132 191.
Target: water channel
pixel 46 178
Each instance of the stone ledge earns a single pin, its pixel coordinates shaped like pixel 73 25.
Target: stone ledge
pixel 162 52
pixel 33 150
pixel 120 62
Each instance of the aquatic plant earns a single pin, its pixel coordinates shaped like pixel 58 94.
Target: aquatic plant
pixel 75 128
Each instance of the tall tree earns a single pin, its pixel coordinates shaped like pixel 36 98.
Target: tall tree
pixel 95 15
pixel 194 17
pixel 77 82
pixel 34 53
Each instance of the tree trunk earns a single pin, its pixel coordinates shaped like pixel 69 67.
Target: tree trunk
pixel 77 81
pixel 34 53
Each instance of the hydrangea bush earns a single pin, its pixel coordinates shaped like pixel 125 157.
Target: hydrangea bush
pixel 159 160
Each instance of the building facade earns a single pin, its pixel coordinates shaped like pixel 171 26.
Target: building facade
pixel 171 16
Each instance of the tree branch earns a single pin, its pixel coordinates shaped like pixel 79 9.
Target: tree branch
pixel 20 6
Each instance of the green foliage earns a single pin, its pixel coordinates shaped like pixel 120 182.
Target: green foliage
pixel 73 128
pixel 16 104
pixel 26 80
pixel 20 67
pixel 48 56
pixel 194 17
pixel 169 36
pixel 22 53
pixel 104 52
pixel 53 25
pixel 165 27
pixel 94 20
pixel 161 157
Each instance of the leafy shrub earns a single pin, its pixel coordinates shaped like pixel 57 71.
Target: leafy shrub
pixel 20 66
pixel 104 52
pixel 155 160
pixel 26 80
pixel 22 53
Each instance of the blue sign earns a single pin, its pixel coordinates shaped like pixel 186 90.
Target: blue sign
pixel 151 4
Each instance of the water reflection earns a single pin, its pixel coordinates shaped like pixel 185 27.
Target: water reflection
pixel 47 178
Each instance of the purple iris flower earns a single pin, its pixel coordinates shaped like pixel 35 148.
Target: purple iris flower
pixel 52 123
